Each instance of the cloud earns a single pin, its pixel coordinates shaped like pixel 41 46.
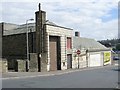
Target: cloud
pixel 86 17
pixel 17 12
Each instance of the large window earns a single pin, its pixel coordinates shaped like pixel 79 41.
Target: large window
pixel 69 43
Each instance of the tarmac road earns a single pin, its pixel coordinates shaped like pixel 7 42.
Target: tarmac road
pixel 106 77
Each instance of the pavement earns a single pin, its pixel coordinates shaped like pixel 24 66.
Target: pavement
pixel 18 75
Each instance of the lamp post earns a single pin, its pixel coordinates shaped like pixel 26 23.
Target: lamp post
pixel 27 38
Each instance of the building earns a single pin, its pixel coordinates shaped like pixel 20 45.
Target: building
pixel 92 53
pixel 48 47
pixel 58 45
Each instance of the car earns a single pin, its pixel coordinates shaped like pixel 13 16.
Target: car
pixel 116 51
pixel 116 58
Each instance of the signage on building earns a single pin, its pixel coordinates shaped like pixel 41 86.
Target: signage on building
pixel 107 57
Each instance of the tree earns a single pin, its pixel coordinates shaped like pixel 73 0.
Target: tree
pixel 118 47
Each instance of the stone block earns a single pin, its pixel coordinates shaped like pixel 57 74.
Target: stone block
pixel 20 66
pixel 3 65
pixel 44 62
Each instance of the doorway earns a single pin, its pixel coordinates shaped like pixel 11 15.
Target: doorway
pixel 69 61
pixel 55 53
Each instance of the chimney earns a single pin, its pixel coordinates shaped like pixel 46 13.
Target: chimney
pixel 77 34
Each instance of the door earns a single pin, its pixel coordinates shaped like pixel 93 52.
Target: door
pixel 95 60
pixel 55 53
pixel 69 61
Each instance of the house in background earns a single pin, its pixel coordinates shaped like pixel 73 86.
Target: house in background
pixel 92 53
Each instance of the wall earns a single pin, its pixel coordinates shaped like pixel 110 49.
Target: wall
pixel 84 59
pixel 80 60
pixel 14 46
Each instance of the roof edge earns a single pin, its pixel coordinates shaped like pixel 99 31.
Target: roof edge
pixel 59 26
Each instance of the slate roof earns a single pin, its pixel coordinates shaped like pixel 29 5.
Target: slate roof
pixel 86 43
pixel 20 29
pixel 31 27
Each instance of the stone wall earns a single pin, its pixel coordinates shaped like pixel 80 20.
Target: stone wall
pixel 14 49
pixel 3 65
pixel 15 45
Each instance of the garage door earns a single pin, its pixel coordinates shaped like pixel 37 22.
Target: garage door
pixel 53 53
pixel 95 60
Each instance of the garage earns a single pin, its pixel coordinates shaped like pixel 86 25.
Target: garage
pixel 95 60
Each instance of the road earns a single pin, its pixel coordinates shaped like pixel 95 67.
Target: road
pixel 106 77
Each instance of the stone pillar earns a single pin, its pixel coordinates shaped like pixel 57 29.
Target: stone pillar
pixel 3 65
pixel 33 64
pixel 20 66
pixel 40 37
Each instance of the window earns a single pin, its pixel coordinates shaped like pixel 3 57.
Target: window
pixel 69 43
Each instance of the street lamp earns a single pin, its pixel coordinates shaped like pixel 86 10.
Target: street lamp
pixel 27 38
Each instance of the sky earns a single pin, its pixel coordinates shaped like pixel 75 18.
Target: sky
pixel 97 19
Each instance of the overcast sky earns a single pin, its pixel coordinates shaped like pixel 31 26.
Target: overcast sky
pixel 96 19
